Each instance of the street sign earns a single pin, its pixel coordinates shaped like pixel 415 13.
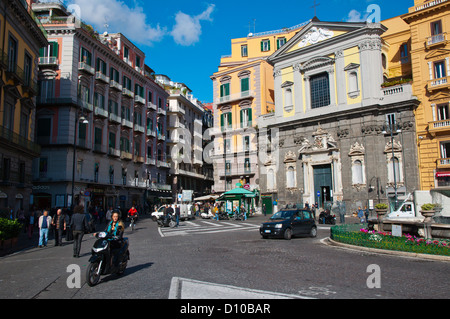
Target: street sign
pixel 318 193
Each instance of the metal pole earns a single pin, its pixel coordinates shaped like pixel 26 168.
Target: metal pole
pixel 74 159
pixel 393 163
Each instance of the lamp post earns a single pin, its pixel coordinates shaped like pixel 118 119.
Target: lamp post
pixel 79 116
pixel 392 124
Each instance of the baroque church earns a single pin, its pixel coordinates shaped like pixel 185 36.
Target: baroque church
pixel 337 134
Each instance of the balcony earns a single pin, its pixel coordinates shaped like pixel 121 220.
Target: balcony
pixel 438 84
pixel 436 40
pixel 151 106
pixel 439 127
pixel 86 68
pixel 86 105
pixel 397 93
pixel 127 123
pixel 101 77
pixel 161 111
pixel 139 99
pixel 113 152
pixel 236 97
pixel 139 159
pixel 161 137
pixel 126 156
pixel 19 141
pixel 163 164
pixel 115 118
pixel 151 132
pixel 443 163
pixel 150 161
pixel 115 86
pixel 98 148
pixel 48 61
pixel 98 111
pixel 127 93
pixel 139 128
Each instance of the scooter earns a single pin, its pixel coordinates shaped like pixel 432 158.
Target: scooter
pixel 101 261
pixel 327 218
pixel 223 216
pixel 168 221
pixel 238 216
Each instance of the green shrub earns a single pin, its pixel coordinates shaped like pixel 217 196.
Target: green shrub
pixel 381 206
pixel 9 228
pixel 427 206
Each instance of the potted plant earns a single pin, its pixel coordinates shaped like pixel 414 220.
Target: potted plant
pixel 381 209
pixel 9 230
pixel 427 211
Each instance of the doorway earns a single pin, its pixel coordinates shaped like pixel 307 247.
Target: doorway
pixel 323 185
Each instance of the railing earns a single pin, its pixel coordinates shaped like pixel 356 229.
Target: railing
pixel 82 66
pixel 102 77
pixel 436 39
pixel 161 111
pixel 235 97
pixel 139 99
pixel 128 93
pixel 428 4
pixel 114 152
pixel 151 132
pixel 150 161
pixel 139 128
pixel 151 106
pixel 441 124
pixel 127 123
pixel 443 161
pixel 100 112
pixel 115 118
pixel 438 83
pixel 19 140
pixel 114 85
pixel 126 156
pixel 48 60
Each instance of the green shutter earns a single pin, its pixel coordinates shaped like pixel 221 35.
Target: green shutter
pixel 268 47
pixel 242 117
pixel 55 49
pixel 42 52
pixel 249 117
pixel 221 121
pixel 244 85
pixel 230 121
pixel 262 46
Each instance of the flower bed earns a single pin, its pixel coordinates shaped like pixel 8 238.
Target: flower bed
pixel 358 235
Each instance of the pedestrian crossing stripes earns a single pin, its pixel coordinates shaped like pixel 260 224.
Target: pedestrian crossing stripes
pixel 200 227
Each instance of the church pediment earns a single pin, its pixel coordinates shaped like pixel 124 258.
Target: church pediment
pixel 440 96
pixel 316 63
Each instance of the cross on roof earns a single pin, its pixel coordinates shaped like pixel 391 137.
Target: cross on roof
pixel 315 7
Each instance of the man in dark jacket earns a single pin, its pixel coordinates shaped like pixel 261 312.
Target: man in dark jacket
pixel 78 225
pixel 168 211
pixel 59 224
pixel 177 214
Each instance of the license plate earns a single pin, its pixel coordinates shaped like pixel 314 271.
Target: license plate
pixel 267 231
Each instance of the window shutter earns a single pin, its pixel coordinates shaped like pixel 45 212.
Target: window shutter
pixel 230 121
pixel 249 117
pixel 262 46
pixel 42 52
pixel 55 49
pixel 221 121
pixel 244 85
pixel 268 45
pixel 242 118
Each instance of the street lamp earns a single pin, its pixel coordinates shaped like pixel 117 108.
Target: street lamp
pixel 394 128
pixel 80 115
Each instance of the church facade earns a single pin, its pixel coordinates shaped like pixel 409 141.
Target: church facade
pixel 337 133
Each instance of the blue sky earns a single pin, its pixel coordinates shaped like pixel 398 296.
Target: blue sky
pixel 185 39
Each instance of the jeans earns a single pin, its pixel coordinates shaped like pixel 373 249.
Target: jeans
pixel 43 236
pixel 77 238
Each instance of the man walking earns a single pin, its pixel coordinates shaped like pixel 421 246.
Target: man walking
pixel 44 225
pixel 59 223
pixel 177 214
pixel 78 225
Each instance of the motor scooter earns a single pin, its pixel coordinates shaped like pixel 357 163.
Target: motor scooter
pixel 326 218
pixel 106 251
pixel 166 221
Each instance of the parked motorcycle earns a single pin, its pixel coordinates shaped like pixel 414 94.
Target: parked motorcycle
pixel 168 221
pixel 223 216
pixel 238 216
pixel 326 218
pixel 104 253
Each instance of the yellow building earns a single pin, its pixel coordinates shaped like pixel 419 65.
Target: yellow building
pixel 429 23
pixel 21 38
pixel 243 92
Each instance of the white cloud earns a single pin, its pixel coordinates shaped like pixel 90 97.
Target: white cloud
pixel 355 16
pixel 188 29
pixel 132 22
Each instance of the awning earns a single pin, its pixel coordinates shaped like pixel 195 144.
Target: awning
pixel 206 198
pixel 236 194
pixel 442 174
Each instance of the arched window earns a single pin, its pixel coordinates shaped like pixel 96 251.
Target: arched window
pixel 290 177
pixel 394 166
pixel 288 97
pixel 357 172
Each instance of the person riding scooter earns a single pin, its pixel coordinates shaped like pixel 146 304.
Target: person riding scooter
pixel 115 228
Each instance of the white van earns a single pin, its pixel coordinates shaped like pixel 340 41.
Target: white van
pixel 185 212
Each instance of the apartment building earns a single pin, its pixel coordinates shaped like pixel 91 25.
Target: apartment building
pixel 243 92
pixel 185 116
pixel 21 37
pixel 98 111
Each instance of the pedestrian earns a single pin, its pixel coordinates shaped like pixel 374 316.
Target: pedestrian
pixel 30 224
pixel 366 213
pixel 108 215
pixel 79 225
pixel 264 209
pixel 360 214
pixel 44 225
pixel 59 224
pixel 177 214
pixel 341 208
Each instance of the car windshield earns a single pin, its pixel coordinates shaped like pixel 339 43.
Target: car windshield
pixel 283 215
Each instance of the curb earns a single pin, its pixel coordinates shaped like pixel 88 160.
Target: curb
pixel 330 242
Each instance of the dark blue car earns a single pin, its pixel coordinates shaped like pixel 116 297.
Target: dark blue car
pixel 288 223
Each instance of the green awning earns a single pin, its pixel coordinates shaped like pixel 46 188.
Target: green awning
pixel 236 194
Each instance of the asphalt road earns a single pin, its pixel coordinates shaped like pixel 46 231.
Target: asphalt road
pixel 221 259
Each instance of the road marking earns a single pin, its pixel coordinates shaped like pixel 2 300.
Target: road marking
pixel 205 227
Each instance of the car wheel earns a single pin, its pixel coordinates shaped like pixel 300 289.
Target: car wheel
pixel 313 232
pixel 288 234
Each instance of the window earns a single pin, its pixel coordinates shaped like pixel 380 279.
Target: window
pixel 43 167
pixel 439 70
pixel 99 100
pixel 394 166
pixel 442 112
pixel 82 128
pixel 436 28
pixel 101 66
pixel 245 87
pixel 114 75
pixel 225 92
pixel 390 119
pixel 228 168
pixel 227 145
pixel 46 90
pixel 270 179
pixel 139 90
pixel 265 45
pixel 280 42
pixel 247 168
pixel 6 169
pixel 8 116
pixel 290 177
pixel 126 82
pixel 244 51
pixel 12 55
pixel 85 94
pixel 353 82
pixel 246 118
pixel 246 143
pixel 86 56
pixel 126 52
pixel 44 126
pixel 24 119
pixel 320 90
pixel 98 132
pixel 50 51
pixel 112 140
pixel 27 69
pixel 404 53
pixel 288 98
pixel 96 171
pixel 357 173
pixel 226 121
pixel 445 152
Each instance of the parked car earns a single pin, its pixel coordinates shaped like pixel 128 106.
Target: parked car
pixel 185 212
pixel 288 223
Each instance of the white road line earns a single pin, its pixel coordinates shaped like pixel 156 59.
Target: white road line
pixel 210 223
pixel 197 229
